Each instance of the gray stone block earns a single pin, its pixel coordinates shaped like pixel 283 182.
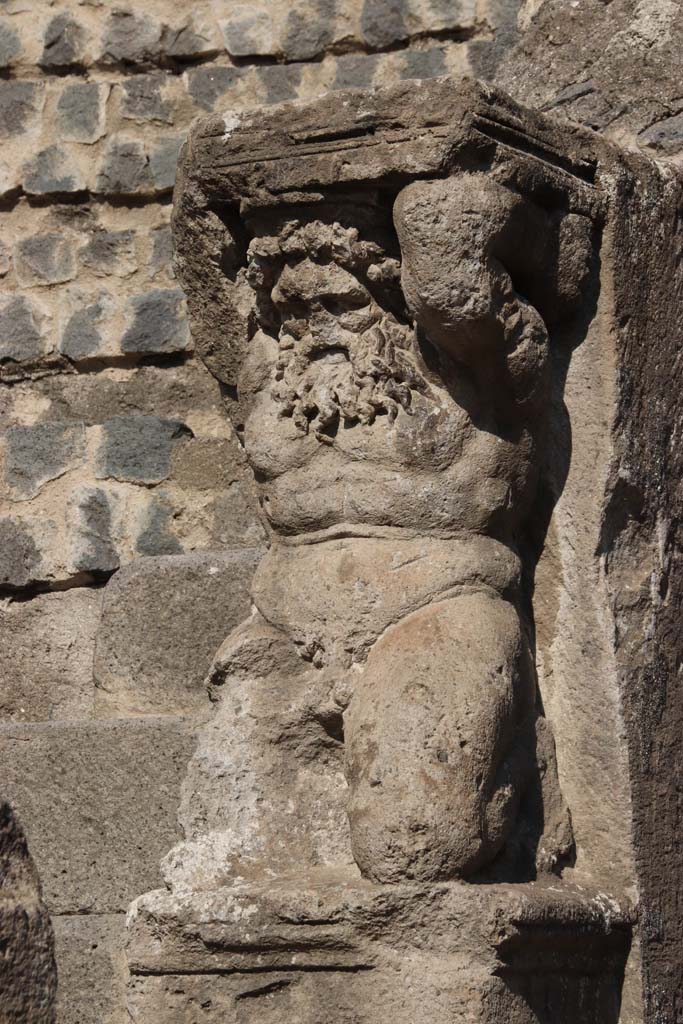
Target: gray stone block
pixel 355 71
pixel 248 32
pixel 163 620
pixel 163 161
pixel 382 23
pixel 235 514
pixel 91 965
pixel 41 452
pixel 20 105
pixel 665 136
pixel 208 84
pixel 308 32
pixel 124 169
pixel 22 334
pixel 21 561
pixel 98 801
pixel 188 41
pixel 81 111
pixel 89 518
pixel 46 656
pixel 143 101
pixel 110 253
pixel 44 259
pixel 130 38
pixel 28 976
pixel 64 42
pixel 155 536
pixel 138 448
pixel 161 259
pixel 281 81
pixel 52 170
pixel 10 43
pixel 159 323
pixel 81 338
pixel 423 63
pixel 173 392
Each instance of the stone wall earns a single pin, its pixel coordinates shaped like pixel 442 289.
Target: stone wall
pixel 128 525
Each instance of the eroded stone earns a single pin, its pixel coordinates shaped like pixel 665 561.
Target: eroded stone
pixel 159 323
pixel 28 975
pixel 45 259
pixel 163 619
pixel 139 448
pixel 34 455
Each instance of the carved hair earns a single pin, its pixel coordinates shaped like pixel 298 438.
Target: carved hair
pixel 344 355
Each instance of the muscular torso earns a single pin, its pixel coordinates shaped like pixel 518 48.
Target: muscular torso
pixel 431 469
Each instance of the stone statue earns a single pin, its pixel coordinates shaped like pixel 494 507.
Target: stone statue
pixel 379 290
pixel 393 393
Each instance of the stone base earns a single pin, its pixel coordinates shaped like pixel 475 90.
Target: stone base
pixel 340 950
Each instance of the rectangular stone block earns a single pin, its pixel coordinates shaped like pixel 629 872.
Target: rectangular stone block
pixel 46 656
pixel 164 619
pixel 98 803
pixel 91 968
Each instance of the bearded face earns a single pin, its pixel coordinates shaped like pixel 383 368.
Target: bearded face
pixel 343 356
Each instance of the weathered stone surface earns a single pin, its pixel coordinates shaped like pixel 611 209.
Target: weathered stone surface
pixel 89 518
pixel 163 620
pixel 601 43
pixel 401 290
pixel 177 392
pixel 159 323
pixel 98 801
pixel 208 84
pixel 355 71
pixel 138 448
pixel 130 38
pixel 195 38
pixel 162 251
pixel 10 43
pixel 64 42
pixel 22 328
pixel 83 334
pixel 248 32
pixel 5 259
pixel 52 170
pixel 309 29
pixel 46 656
pixel 124 168
pixel 457 781
pixel 28 976
pixel 20 105
pixel 36 454
pixel 577 58
pixel 21 559
pixel 665 136
pixel 532 956
pixel 143 100
pixel 44 259
pixel 163 160
pixel 383 22
pixel 110 253
pixel 280 82
pixel 155 534
pixel 92 968
pixel 81 111
pixel 424 63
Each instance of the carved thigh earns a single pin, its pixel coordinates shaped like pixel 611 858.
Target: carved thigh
pixel 431 734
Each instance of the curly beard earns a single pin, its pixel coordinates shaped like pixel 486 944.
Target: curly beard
pixel 344 357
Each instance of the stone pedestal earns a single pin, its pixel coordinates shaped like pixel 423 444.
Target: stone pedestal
pixel 339 950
